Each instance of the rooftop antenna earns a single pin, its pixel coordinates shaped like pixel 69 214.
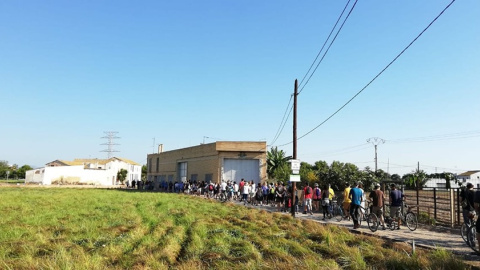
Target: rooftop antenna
pixel 110 136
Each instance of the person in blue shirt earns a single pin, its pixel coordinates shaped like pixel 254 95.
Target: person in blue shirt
pixel 356 195
pixel 396 200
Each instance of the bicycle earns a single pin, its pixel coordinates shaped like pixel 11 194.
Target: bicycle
pixel 466 226
pixel 336 210
pixel 372 220
pixel 472 239
pixel 407 217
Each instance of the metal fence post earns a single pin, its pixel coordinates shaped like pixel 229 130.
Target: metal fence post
pixel 435 203
pixel 458 206
pixel 452 208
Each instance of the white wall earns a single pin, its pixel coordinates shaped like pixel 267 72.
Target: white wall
pixel 77 174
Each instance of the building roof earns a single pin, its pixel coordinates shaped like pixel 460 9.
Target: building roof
pixel 82 161
pixel 468 173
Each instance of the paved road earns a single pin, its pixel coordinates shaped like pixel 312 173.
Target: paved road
pixel 430 238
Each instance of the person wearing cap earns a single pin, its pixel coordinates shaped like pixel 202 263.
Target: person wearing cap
pixel 356 196
pixel 377 198
pixel 468 197
pixel 396 200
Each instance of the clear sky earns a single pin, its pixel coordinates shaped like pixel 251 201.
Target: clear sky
pixel 187 72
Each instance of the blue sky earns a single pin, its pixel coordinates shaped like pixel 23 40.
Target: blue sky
pixel 185 72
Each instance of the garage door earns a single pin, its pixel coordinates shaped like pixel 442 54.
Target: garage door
pixel 236 169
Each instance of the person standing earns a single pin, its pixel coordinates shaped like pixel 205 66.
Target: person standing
pixel 356 197
pixel 468 197
pixel 308 199
pixel 325 202
pixel 346 200
pixel 280 193
pixel 396 200
pixel 245 193
pixel 240 187
pixel 377 203
pixel 316 197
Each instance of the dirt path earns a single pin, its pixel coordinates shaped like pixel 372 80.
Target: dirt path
pixel 430 238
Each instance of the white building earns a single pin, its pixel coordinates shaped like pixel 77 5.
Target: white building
pixel 462 179
pixel 84 171
pixel 470 176
pixel 440 183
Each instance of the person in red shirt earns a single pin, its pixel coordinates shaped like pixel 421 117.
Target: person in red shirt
pixel 308 198
pixel 240 187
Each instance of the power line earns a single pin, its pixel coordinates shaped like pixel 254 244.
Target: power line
pixel 282 123
pixel 325 43
pixel 450 136
pixel 331 43
pixel 378 75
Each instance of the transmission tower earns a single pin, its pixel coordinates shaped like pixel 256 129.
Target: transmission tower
pixel 110 136
pixel 376 141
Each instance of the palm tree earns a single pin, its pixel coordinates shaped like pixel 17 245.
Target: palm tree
pixel 276 163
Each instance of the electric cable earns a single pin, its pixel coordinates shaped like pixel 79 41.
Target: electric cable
pixel 378 75
pixel 325 43
pixel 283 122
pixel 331 43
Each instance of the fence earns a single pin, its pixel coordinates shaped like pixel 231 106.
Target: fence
pixel 435 205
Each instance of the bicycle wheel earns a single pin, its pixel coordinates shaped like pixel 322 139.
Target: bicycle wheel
pixel 464 231
pixel 411 220
pixel 372 222
pixel 338 213
pixel 472 239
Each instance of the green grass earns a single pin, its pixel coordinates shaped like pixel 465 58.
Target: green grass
pixel 52 228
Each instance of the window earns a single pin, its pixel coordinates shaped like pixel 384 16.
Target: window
pixel 208 177
pixel 182 171
pixel 158 163
pixel 149 165
pixel 194 177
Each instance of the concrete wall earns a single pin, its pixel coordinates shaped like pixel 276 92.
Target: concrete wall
pixel 80 175
pixel 205 159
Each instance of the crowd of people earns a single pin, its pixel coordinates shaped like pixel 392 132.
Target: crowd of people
pixel 307 199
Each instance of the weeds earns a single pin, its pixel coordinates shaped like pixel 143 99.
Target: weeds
pixel 113 229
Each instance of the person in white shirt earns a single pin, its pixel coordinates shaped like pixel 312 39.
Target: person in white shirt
pixel 246 192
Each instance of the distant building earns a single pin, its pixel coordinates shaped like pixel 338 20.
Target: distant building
pixel 84 171
pixel 462 179
pixel 470 176
pixel 440 183
pixel 214 162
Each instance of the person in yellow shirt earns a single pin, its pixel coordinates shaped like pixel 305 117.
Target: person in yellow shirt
pixel 346 201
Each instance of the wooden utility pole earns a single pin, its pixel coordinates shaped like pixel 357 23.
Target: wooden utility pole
pixel 294 186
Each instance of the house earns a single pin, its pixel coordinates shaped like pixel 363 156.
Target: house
pixel 470 176
pixel 84 171
pixel 214 162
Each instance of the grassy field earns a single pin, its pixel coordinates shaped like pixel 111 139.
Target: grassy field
pixel 49 228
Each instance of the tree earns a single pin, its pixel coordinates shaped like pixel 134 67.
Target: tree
pixel 144 173
pixel 411 179
pixel 122 175
pixel 277 166
pixel 307 173
pixel 22 171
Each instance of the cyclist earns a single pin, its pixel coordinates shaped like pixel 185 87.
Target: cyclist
pixel 396 200
pixel 467 196
pixel 377 198
pixel 356 195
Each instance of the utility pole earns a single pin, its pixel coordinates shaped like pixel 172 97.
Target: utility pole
pixel 294 186
pixel 376 141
